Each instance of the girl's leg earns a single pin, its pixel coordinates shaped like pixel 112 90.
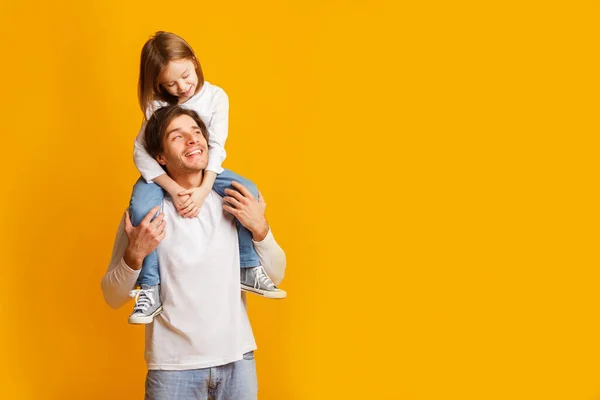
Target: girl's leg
pixel 248 256
pixel 144 198
pixel 253 277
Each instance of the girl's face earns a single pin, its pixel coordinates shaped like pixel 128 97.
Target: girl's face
pixel 179 78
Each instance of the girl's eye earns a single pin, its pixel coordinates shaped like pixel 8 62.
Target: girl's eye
pixel 185 76
pixel 170 85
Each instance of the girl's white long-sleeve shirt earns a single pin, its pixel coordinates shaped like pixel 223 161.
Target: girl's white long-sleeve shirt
pixel 204 322
pixel 212 105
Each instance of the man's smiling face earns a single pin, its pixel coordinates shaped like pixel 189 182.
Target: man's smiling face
pixel 185 148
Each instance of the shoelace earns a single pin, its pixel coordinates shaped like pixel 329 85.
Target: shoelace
pixel 144 298
pixel 261 277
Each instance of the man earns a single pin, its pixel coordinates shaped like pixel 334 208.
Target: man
pixel 202 345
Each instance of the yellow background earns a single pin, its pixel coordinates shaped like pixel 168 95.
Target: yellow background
pixel 430 168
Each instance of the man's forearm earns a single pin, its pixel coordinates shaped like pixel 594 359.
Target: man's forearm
pixel 119 278
pixel 133 259
pixel 272 257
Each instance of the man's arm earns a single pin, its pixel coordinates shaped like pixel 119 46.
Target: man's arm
pixel 272 257
pixel 131 246
pixel 119 279
pixel 251 213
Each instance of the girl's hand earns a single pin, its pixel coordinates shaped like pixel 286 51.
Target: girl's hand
pixel 178 200
pixel 194 199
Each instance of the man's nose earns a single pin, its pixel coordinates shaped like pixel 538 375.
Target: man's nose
pixel 193 139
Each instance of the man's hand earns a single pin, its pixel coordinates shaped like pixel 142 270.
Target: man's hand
pixel 194 198
pixel 143 238
pixel 248 210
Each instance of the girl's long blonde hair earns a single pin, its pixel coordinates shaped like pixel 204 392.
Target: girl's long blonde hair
pixel 161 48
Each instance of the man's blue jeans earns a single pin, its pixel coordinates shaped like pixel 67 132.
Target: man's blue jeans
pixel 146 196
pixel 233 381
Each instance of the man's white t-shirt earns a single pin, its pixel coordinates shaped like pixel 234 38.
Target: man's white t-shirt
pixel 204 322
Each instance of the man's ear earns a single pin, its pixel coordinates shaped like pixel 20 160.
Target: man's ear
pixel 161 160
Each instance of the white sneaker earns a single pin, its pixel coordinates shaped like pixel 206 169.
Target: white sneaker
pixel 255 280
pixel 147 304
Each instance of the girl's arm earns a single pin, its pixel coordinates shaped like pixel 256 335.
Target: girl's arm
pixel 167 183
pixel 208 180
pixel 217 136
pixel 144 162
pixel 217 132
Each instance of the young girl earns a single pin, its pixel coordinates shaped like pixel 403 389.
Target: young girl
pixel 170 74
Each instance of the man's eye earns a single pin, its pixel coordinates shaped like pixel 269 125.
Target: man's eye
pixel 177 137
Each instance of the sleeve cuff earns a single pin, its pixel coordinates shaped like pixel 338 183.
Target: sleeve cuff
pixel 216 156
pixel 267 238
pixel 216 169
pixel 127 269
pixel 214 166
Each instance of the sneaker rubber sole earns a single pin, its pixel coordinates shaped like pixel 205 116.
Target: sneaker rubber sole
pixel 279 294
pixel 144 319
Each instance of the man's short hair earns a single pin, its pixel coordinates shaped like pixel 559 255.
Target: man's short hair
pixel 158 123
